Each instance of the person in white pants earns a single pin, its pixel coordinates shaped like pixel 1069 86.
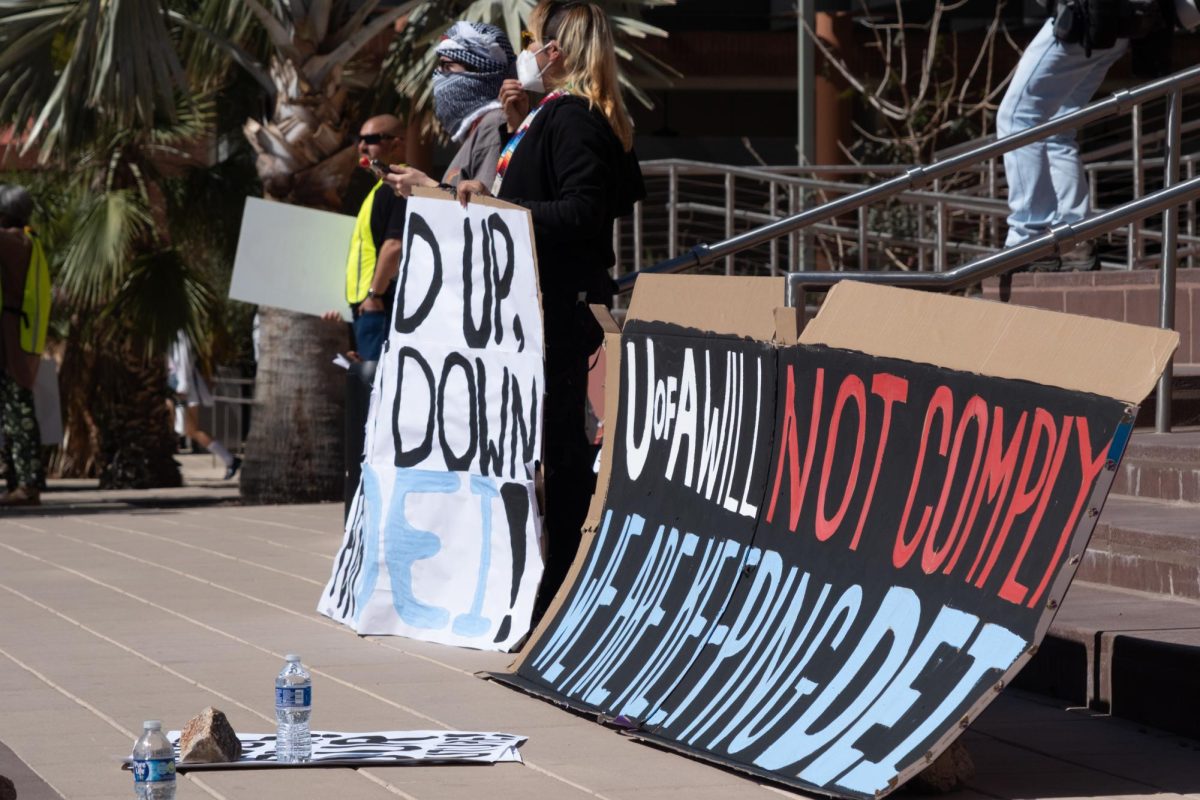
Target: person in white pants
pixel 1046 182
pixel 188 384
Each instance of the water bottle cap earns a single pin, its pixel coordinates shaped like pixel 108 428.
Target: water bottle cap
pixel 152 725
pixel 291 657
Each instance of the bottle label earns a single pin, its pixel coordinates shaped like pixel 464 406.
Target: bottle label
pixel 151 770
pixel 293 698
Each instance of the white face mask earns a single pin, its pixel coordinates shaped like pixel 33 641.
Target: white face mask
pixel 527 70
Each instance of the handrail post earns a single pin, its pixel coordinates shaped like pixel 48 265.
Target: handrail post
pixel 862 239
pixel 1191 213
pixel 1139 183
pixel 729 189
pixel 616 245
pixel 793 236
pixel 637 236
pixel 993 227
pixel 672 210
pixel 939 257
pixel 772 199
pixel 803 239
pixel 1162 417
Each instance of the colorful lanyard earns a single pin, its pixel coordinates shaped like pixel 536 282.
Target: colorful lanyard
pixel 507 153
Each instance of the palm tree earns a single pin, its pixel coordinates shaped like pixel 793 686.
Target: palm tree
pixel 304 156
pixel 127 291
pixel 306 56
pixel 124 61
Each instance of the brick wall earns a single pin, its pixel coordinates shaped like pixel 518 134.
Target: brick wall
pixel 1121 296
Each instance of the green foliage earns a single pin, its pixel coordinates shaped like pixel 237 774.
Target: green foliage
pixel 58 61
pixel 411 60
pixel 160 295
pixel 98 256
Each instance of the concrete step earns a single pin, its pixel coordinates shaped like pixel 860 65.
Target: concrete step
pixel 1185 402
pixel 1163 466
pixel 1147 545
pixel 1131 654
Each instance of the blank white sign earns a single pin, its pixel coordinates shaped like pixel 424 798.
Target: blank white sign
pixel 292 258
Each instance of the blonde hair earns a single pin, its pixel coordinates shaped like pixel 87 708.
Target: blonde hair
pixel 588 57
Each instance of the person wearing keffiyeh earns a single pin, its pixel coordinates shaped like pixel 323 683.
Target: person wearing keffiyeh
pixel 473 60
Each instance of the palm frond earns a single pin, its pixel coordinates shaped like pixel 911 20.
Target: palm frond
pixel 320 67
pixel 118 68
pixel 159 297
pixel 411 58
pixel 97 260
pixel 281 38
pixel 213 40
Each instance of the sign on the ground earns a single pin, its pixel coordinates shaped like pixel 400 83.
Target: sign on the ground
pixel 819 564
pixel 332 748
pixel 442 538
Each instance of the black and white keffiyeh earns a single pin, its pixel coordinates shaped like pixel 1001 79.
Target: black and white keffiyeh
pixel 460 98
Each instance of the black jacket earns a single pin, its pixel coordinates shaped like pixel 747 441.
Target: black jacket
pixel 574 176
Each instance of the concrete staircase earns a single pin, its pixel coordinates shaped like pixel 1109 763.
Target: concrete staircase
pixel 1148 537
pixel 1127 638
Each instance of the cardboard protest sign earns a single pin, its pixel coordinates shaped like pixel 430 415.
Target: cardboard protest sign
pixel 442 538
pixel 818 564
pixel 292 257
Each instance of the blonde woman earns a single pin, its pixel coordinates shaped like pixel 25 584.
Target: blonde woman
pixel 570 162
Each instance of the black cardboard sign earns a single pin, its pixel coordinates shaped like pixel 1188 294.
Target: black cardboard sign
pixel 816 565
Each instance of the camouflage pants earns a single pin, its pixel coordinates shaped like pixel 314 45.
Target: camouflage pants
pixel 22 439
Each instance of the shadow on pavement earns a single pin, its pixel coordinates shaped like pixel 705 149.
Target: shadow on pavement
pixel 27 782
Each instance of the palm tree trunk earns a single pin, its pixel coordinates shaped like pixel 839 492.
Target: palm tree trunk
pixel 294 453
pixel 118 425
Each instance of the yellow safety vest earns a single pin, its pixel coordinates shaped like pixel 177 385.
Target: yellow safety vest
pixel 34 309
pixel 360 264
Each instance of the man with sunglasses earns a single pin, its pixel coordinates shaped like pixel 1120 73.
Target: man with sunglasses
pixel 374 258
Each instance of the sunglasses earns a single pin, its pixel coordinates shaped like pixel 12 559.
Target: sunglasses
pixel 374 138
pixel 526 39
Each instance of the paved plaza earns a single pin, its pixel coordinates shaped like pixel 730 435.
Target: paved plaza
pixel 159 604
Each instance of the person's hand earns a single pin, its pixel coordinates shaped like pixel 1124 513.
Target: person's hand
pixel 371 304
pixel 468 188
pixel 332 316
pixel 402 178
pixel 515 102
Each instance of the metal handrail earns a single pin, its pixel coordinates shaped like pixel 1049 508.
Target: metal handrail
pixel 1058 240
pixel 1166 201
pixel 916 177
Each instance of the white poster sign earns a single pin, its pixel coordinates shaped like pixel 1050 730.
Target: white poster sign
pixel 46 403
pixel 442 538
pixel 331 748
pixel 292 258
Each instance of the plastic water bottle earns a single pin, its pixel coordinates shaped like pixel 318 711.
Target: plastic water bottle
pixel 153 764
pixel 293 706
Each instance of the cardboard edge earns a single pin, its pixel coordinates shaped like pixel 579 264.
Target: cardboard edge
pixel 789 324
pixel 612 394
pixel 612 378
pixel 1001 340
pixel 476 199
pixel 551 615
pixel 720 304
